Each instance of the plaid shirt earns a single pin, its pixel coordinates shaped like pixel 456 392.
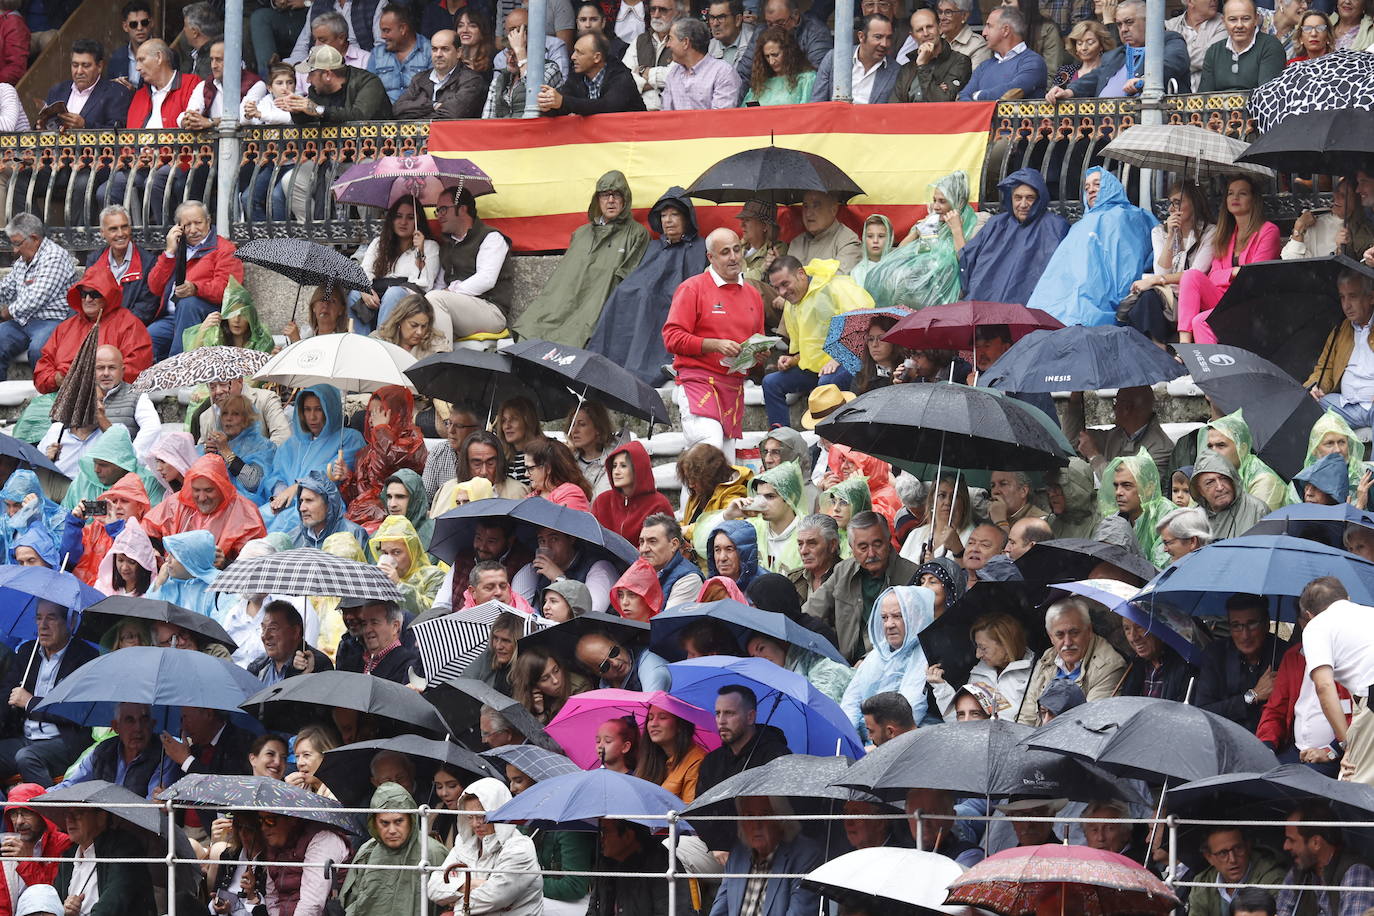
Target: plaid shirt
pixel 506 96
pixel 1064 13
pixel 1351 903
pixel 38 288
pixel 752 904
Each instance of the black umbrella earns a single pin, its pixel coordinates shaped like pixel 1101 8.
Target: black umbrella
pixel 535 762
pixel 775 174
pixel 97 619
pixel 1276 790
pixel 483 377
pixel 1284 310
pixel 561 640
pixel 1324 524
pixel 588 376
pixel 347 770
pixel 212 790
pixel 75 405
pixel 1079 358
pixel 1332 142
pixel 306 263
pixel 1279 411
pixel 1154 740
pixel 798 776
pixel 947 424
pixel 362 692
pixel 454 529
pixel 946 641
pixel 1073 559
pixel 460 701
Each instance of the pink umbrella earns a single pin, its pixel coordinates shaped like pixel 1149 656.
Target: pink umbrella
pixel 381 182
pixel 576 723
pixel 952 326
pixel 1061 880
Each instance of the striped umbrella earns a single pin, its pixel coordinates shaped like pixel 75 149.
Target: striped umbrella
pixel 449 643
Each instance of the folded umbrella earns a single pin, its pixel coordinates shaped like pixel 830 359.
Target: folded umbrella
pixel 1072 559
pixel 382 181
pixel 75 405
pixel 22 587
pixel 588 376
pixel 361 692
pixel 1314 522
pixel 352 362
pixel 450 642
pixel 578 801
pixel 885 879
pixel 484 377
pixel 460 701
pixel 454 529
pixel 1079 358
pixel 773 174
pixel 955 325
pixel 742 620
pixel 305 571
pixel 535 762
pixel 97 619
pixel 574 728
pixel 847 338
pixel 1083 881
pixel 347 770
pixel 212 790
pixel 1180 632
pixel 201 366
pixel 1195 153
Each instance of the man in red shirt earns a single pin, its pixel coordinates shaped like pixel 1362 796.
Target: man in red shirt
pixel 711 315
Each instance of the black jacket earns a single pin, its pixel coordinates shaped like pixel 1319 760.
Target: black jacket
pixel 125 890
pixel 322 663
pixel 395 665
pixel 349 655
pixel 768 743
pixel 1223 680
pixel 105 765
pixel 1177 676
pixel 77 653
pixel 230 756
pixel 137 297
pixel 105 109
pixel 1176 68
pixel 618 92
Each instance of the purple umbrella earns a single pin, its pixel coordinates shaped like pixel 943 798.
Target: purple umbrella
pixel 383 181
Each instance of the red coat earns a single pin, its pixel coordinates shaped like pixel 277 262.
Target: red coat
pixel 209 271
pixel 141 105
pixel 118 328
pixel 625 515
pixel 1276 722
pixel 14 47
pixel 54 841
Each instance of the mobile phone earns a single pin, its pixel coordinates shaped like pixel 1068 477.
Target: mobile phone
pixel 92 507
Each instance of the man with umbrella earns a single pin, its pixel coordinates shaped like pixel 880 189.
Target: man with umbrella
pixel 193 272
pixel 116 887
pixel 1237 675
pixel 1343 377
pixel 765 848
pixel 385 655
pixel 130 760
pixel 1233 862
pixel 743 745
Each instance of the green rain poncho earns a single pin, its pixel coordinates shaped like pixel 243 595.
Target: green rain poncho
pixel 418 508
pixel 1153 507
pixel 786 478
pixel 855 492
pixel 1080 516
pixel 237 304
pixel 380 892
pixel 1257 477
pixel 926 271
pixel 421 580
pixel 599 256
pixel 866 264
pixel 1332 422
pixel 114 446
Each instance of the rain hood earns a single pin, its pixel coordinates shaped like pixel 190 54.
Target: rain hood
pixel 114 446
pixel 384 890
pixel 868 262
pixel 1327 475
pixel 1332 422
pixel 1080 516
pixel 133 543
pixel 1153 507
pixel 1004 261
pixel 642 579
pixel 902 669
pixel 926 271
pixel 303 453
pixel 623 514
pixel 1259 479
pixel 417 510
pixel 1245 510
pixel 745 538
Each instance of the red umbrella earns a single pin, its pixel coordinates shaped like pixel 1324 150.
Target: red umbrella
pixel 952 326
pixel 1051 880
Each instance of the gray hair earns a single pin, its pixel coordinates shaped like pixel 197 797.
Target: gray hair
pixel 869 519
pixel 694 32
pixel 827 526
pixel 1186 524
pixel 1012 17
pixel 201 17
pixel 26 224
pixel 1116 808
pixel 499 723
pixel 781 807
pixel 1354 533
pixel 334 21
pixel 158 47
pixel 114 210
pixel 1356 278
pixel 1068 605
pixel 1021 477
pixel 188 204
pixel 965 5
pixel 911 490
pixel 483 566
pixel 383 756
pixel 1139 3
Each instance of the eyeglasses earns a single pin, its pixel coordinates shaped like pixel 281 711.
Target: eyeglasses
pixel 1315 29
pixel 718 17
pixel 1233 852
pixel 606 665
pixel 268 820
pixel 947 14
pixel 1251 626
pixel 1175 203
pixel 441 210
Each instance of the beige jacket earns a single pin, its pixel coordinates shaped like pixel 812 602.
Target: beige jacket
pixel 1099 675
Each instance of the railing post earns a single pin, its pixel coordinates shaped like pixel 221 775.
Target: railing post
pixel 534 60
pixel 1152 96
pixel 424 859
pixel 229 121
pixel 1173 848
pixel 672 863
pixel 842 65
pixel 171 857
pixel 920 830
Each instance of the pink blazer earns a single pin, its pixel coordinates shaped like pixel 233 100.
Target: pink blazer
pixel 1263 246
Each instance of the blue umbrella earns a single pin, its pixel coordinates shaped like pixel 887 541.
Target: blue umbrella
pixel 1273 565
pixel 27 455
pixel 847 338
pixel 812 722
pixel 579 800
pixel 1325 524
pixel 22 586
pixel 742 620
pixel 166 679
pixel 1180 632
pixel 1079 358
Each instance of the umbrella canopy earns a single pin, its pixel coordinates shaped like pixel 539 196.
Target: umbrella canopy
pixel 1279 411
pixel 169 678
pixel 1339 141
pixel 452 641
pixel 774 174
pixel 306 263
pixel 953 326
pixel 347 770
pixel 742 619
pixel 1335 82
pixel 578 801
pixel 306 571
pixel 1180 632
pixel 22 587
pixel 27 456
pixel 535 762
pixel 1276 566
pixel 588 375
pixel 200 367
pixel 1194 153
pixel 946 641
pixel 576 723
pixel 1079 358
pixel 213 790
pixel 801 776
pixel 1274 791
pixel 383 181
pixel 562 640
pixel 75 404
pixel 1072 559
pixel 1088 882
pixel 109 796
pixel 454 529
pixel 97 619
pixel 349 690
pixel 353 362
pixel 847 338
pixel 811 721
pixel 949 424
pixel 1324 524
pixel 460 701
pixel 1284 310
pixel 886 879
pixel 483 377
pixel 1153 739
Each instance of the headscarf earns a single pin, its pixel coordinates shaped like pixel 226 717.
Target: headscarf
pixel 866 264
pixel 902 669
pixel 388 890
pixel 950 574
pixel 1257 477
pixel 926 271
pixel 237 303
pixel 303 453
pixel 133 543
pixel 745 538
pixel 1153 507
pixel 1332 422
pixel 1328 474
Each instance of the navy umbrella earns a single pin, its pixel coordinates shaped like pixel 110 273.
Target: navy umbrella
pixel 1278 789
pixel 213 790
pixel 454 529
pixel 1079 358
pixel 946 641
pixel 27 456
pixel 1072 559
pixel 578 801
pixel 535 762
pixel 460 701
pixel 97 619
pixel 1180 632
pixel 484 377
pixel 742 620
pixel 1315 522
pixel 373 696
pixel 588 376
pixel 1275 566
pixel 347 770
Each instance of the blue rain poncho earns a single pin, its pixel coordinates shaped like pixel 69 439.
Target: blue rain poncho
pixel 288 520
pixel 1005 260
pixel 258 453
pixel 303 453
pixel 745 538
pixel 194 550
pixel 884 668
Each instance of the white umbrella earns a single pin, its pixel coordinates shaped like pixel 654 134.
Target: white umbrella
pixel 351 362
pixel 913 877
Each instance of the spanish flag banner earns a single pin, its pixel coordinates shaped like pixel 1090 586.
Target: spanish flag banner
pixel 545 169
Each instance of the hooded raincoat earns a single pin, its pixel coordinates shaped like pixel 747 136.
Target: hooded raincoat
pixel 256 452
pixel 884 668
pixel 119 328
pixel 114 446
pixel 1153 507
pixel 177 449
pixel 237 303
pixel 782 554
pixel 391 446
pixel 926 271
pixel 22 483
pixel 1328 475
pixel 417 510
pixel 1260 480
pixel 600 255
pixel 53 843
pixel 194 550
pixel 856 494
pixel 882 494
pixel 868 262
pixel 794 448
pixel 233 523
pixel 742 535
pixel 326 607
pixel 85 541
pixel 303 453
pixel 133 543
pixel 625 514
pixel 642 579
pixel 630 330
pixel 377 892
pixel 496 859
pixel 1080 516
pixel 1004 261
pixel 1332 422
pixel 807 322
pixel 39 539
pixel 421 580
pixel 1243 512
pixel 334 520
pixel 1103 254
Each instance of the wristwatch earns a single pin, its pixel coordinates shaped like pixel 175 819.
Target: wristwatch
pixel 1250 698
pixel 319 110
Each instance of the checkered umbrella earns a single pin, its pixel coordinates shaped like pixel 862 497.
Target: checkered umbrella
pixel 200 367
pixel 450 643
pixel 306 571
pixel 1195 153
pixel 535 762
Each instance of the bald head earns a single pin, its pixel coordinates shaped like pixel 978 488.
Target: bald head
pixel 443 51
pixel 516 18
pixel 109 367
pixel 725 254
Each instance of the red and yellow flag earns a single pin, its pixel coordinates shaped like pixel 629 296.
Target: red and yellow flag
pixel 545 169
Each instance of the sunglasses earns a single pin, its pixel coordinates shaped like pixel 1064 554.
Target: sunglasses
pixel 139 23
pixel 606 665
pixel 90 294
